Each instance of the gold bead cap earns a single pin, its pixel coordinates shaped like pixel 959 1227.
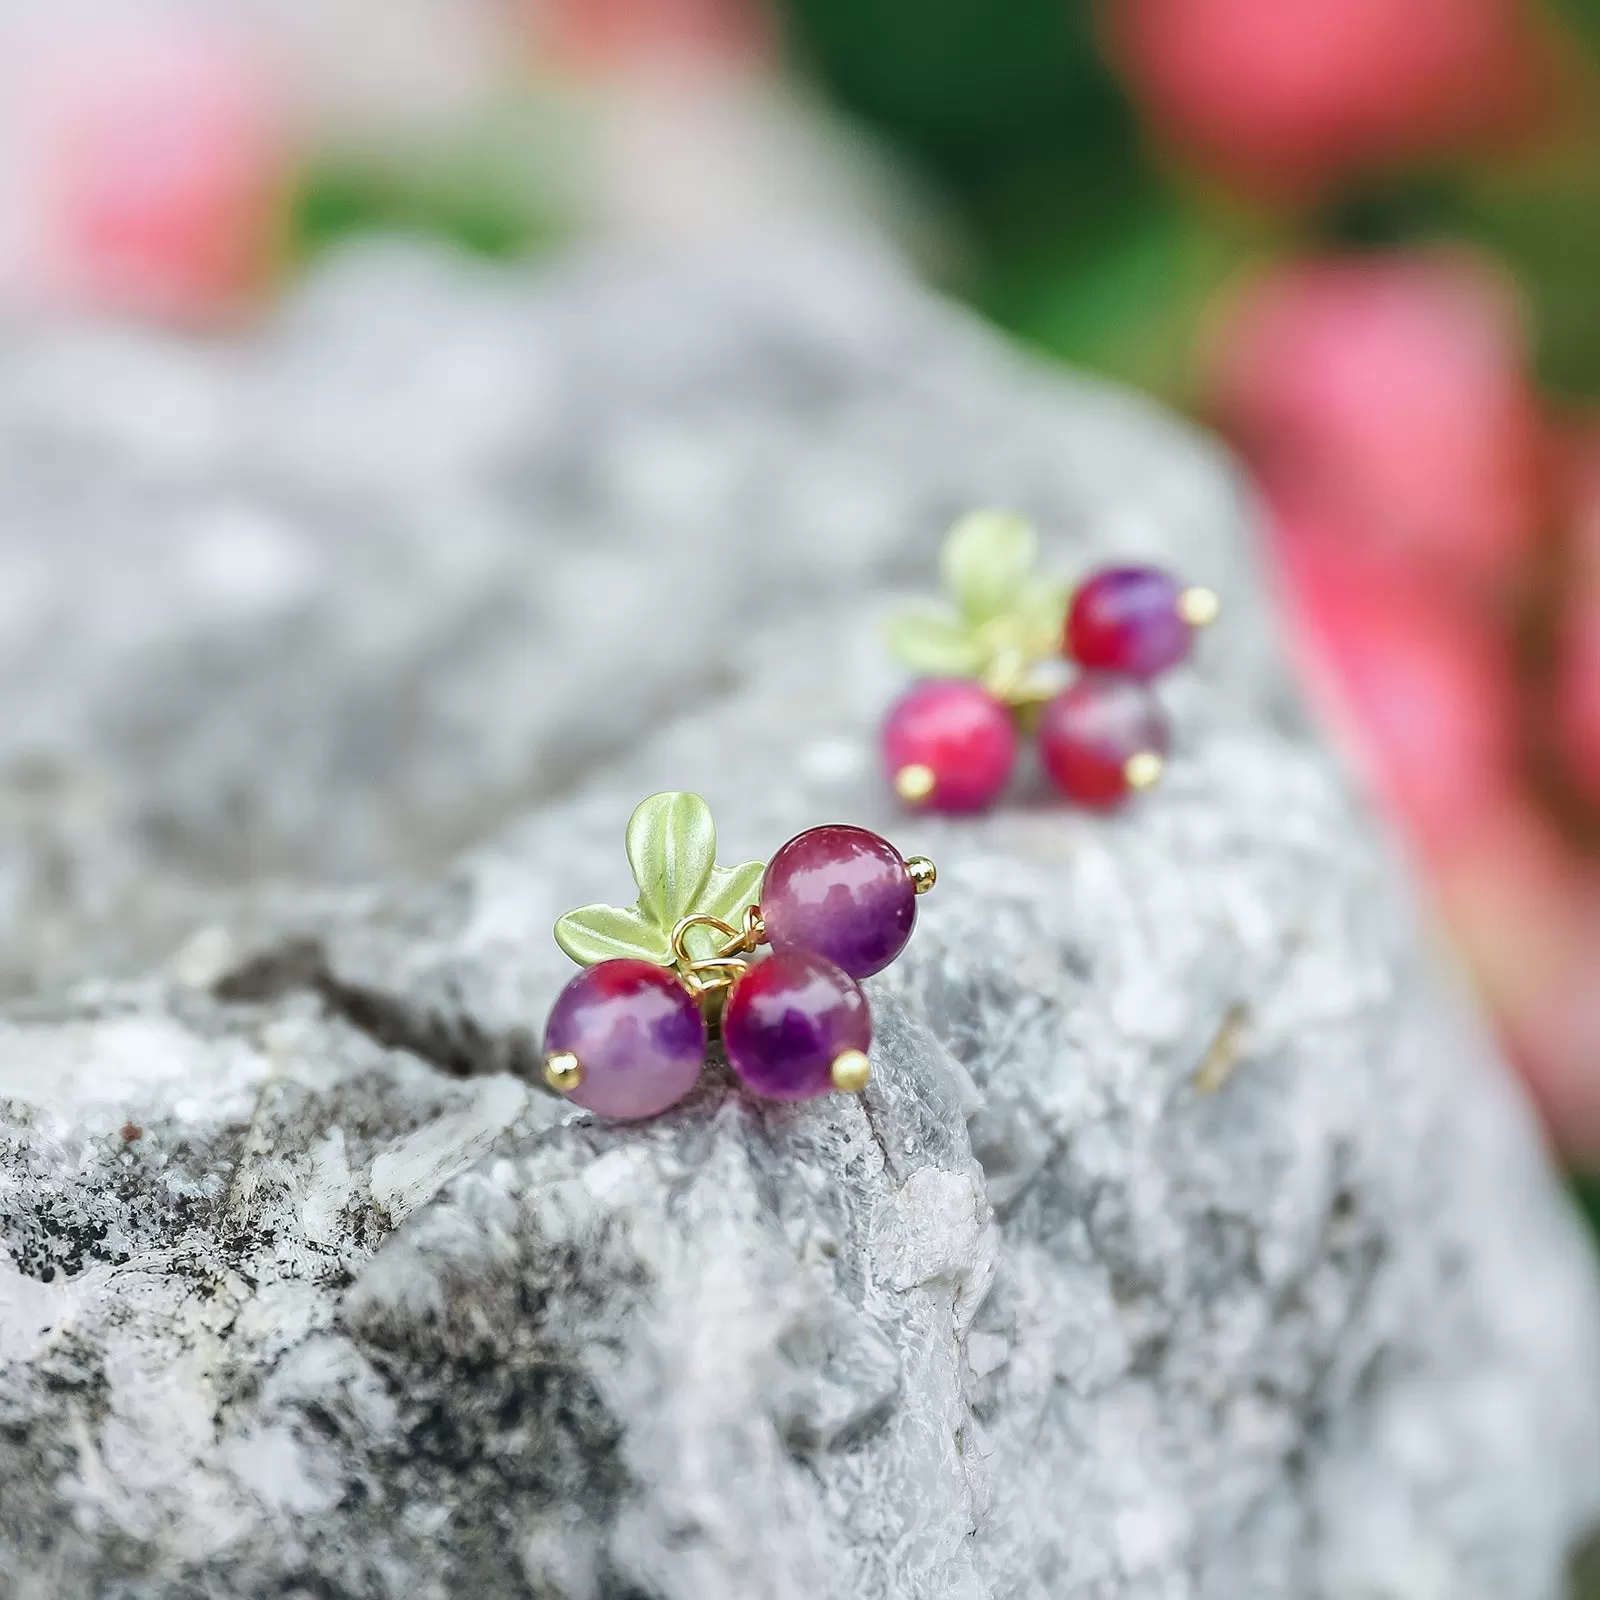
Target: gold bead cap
pixel 1199 606
pixel 851 1072
pixel 914 784
pixel 1144 770
pixel 563 1071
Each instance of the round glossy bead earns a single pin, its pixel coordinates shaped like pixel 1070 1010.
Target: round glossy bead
pixel 639 1039
pixel 843 893
pixel 1102 738
pixel 949 745
pixel 1128 619
pixel 788 1019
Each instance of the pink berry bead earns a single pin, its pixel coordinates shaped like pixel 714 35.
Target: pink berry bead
pixel 1135 620
pixel 843 893
pixel 789 1020
pixel 638 1039
pixel 1103 738
pixel 949 745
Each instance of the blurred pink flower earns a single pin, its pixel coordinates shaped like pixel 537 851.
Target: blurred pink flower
pixel 1421 694
pixel 1524 907
pixel 1578 628
pixel 1422 686
pixel 153 173
pixel 1390 395
pixel 1288 96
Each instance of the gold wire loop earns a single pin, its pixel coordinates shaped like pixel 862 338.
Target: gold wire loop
pixel 726 962
pixel 701 978
pixel 700 919
pixel 753 930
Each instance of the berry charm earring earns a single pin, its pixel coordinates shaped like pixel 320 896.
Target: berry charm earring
pixel 628 1036
pixel 998 662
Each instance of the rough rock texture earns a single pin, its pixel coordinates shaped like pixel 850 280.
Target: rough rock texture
pixel 1190 1243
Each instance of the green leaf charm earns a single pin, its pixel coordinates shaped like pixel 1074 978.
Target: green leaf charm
pixel 986 560
pixel 672 848
pixel 609 933
pixel 1007 621
pixel 730 890
pixel 935 643
pixel 1042 609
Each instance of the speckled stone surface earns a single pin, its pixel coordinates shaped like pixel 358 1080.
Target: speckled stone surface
pixel 1190 1243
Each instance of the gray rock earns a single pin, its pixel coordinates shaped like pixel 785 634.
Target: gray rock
pixel 335 603
pixel 1190 1241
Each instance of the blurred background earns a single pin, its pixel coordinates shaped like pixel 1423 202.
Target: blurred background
pixel 1359 238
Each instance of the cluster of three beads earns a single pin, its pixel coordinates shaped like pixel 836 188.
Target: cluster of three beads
pixel 628 1037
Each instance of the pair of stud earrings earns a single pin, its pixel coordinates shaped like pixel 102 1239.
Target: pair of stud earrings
pixel 628 1037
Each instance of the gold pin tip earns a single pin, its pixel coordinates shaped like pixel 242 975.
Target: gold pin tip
pixel 563 1071
pixel 1144 770
pixel 1199 606
pixel 923 873
pixel 851 1072
pixel 914 783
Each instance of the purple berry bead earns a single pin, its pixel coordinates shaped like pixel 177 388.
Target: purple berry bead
pixel 796 1026
pixel 949 745
pixel 1103 738
pixel 842 892
pixel 638 1039
pixel 1135 620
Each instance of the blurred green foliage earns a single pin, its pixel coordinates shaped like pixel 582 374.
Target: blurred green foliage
pixel 983 96
pixel 1079 244
pixel 1544 222
pixel 1085 246
pixel 1583 16
pixel 479 187
pixel 337 201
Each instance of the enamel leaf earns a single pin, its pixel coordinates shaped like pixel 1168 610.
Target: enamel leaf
pixel 1042 604
pixel 593 934
pixel 936 644
pixel 986 560
pixel 672 846
pixel 731 890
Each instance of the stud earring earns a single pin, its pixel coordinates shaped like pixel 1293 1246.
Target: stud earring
pixel 628 1036
pixel 996 665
